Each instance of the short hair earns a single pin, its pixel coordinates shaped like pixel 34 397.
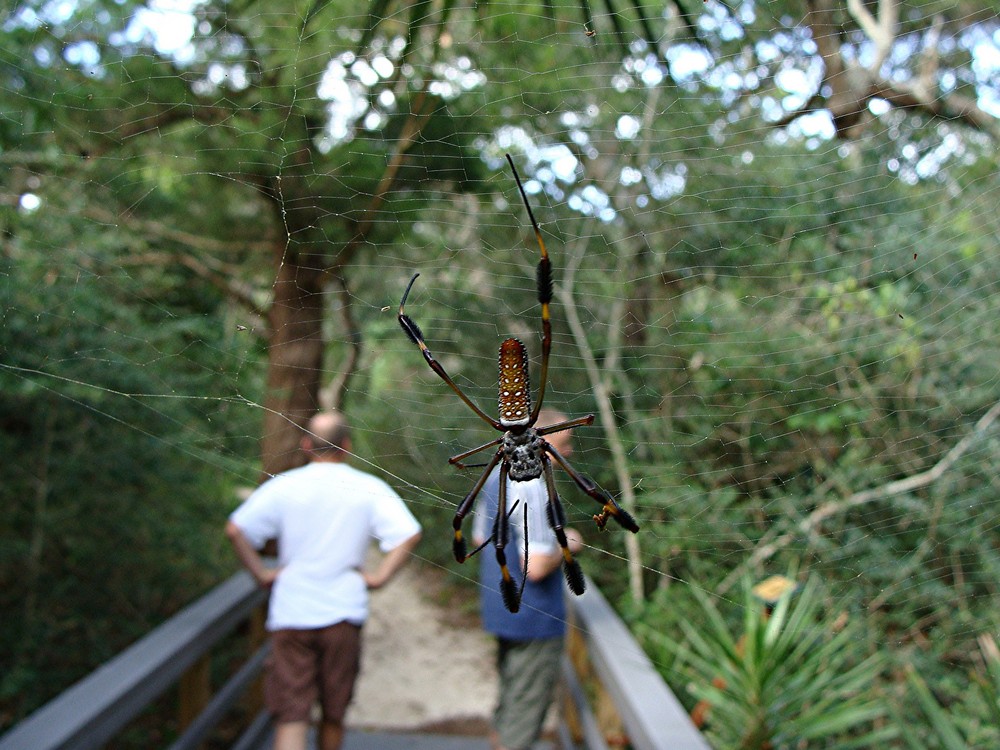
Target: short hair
pixel 328 432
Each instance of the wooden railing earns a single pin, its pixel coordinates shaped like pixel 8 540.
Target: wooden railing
pixel 612 695
pixel 177 652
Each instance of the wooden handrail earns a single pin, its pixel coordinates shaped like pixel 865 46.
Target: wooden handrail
pixel 648 714
pixel 93 710
pixel 607 660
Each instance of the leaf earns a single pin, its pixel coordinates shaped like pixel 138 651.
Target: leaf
pixel 944 727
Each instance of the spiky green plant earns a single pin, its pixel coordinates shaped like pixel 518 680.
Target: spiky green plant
pixel 981 710
pixel 791 680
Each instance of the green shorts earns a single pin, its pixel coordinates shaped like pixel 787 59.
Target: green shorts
pixel 528 674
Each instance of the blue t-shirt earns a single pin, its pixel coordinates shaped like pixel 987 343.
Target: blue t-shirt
pixel 543 606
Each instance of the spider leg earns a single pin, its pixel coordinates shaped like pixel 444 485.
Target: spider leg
pixel 483 546
pixel 524 568
pixel 557 520
pixel 544 284
pixel 513 600
pixel 458 543
pixel 501 534
pixel 569 424
pixel 544 297
pixel 415 335
pixel 610 509
pixel 457 460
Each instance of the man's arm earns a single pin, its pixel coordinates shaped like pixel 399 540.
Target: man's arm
pixel 249 556
pixel 394 560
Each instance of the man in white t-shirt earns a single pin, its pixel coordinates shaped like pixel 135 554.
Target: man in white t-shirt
pixel 324 516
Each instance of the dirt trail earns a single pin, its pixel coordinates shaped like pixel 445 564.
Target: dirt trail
pixel 424 666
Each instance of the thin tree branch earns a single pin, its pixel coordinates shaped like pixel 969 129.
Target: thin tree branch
pixel 853 87
pixel 950 107
pixel 181 237
pixel 335 393
pixel 420 114
pixel 601 387
pixel 881 31
pixel 836 507
pixel 219 275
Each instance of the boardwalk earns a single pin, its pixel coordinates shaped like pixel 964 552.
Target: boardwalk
pixel 362 740
pixel 386 741
pixel 428 682
pixel 427 668
pixel 372 740
pixel 424 666
pixel 428 678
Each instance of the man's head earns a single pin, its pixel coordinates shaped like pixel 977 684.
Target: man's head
pixel 561 441
pixel 327 438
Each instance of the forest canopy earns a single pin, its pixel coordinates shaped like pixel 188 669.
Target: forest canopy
pixel 776 257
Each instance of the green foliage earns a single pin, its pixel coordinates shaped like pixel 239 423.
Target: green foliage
pixel 783 321
pixel 123 436
pixel 796 678
pixel 974 722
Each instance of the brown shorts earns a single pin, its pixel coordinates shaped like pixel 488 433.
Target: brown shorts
pixel 306 665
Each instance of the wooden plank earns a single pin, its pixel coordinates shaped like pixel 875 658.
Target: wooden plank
pixel 195 691
pixel 257 639
pixel 653 717
pixel 590 731
pixel 362 740
pixel 93 710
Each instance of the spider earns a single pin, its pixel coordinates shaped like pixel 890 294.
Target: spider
pixel 522 451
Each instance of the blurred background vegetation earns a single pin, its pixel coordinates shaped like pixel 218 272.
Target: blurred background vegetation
pixel 777 257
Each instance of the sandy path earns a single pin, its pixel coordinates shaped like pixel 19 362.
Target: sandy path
pixel 421 665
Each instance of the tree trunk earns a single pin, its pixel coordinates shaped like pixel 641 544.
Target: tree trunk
pixel 305 266
pixel 295 361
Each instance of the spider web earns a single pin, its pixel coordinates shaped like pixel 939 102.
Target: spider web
pixel 788 337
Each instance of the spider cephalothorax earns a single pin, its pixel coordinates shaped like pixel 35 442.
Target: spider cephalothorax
pixel 522 451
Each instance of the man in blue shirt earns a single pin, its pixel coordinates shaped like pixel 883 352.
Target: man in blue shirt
pixel 529 643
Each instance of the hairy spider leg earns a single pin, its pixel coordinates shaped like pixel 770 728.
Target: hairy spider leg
pixel 417 337
pixel 610 508
pixel 524 569
pixel 544 284
pixel 458 543
pixel 569 424
pixel 482 546
pixel 457 460
pixel 509 590
pixel 557 520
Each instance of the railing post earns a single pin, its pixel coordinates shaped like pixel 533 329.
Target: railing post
pixel 194 691
pixel 605 712
pixel 608 718
pixel 257 637
pixel 576 651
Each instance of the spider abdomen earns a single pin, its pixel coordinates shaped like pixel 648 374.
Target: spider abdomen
pixel 515 395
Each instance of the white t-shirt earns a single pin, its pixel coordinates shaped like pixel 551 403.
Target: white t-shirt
pixel 324 516
pixel 532 494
